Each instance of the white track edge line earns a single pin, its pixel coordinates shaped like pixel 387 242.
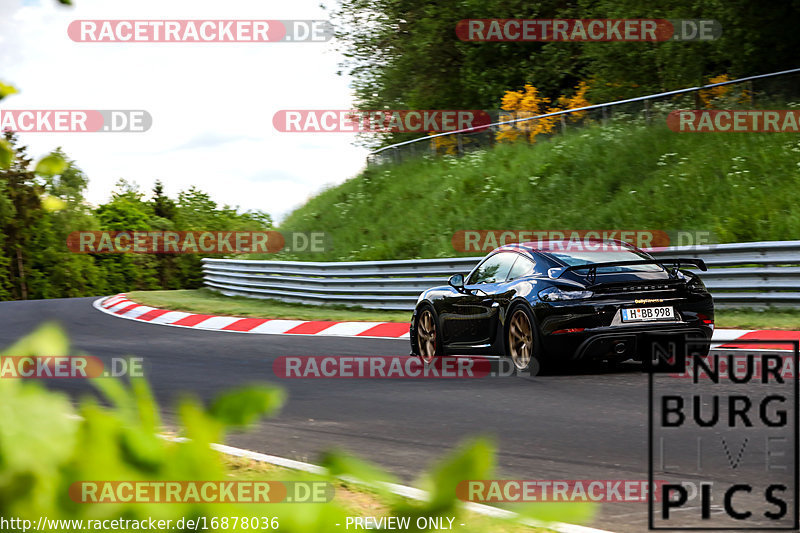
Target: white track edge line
pixel 399 490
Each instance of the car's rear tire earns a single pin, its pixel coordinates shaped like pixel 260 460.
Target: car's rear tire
pixel 522 341
pixel 429 341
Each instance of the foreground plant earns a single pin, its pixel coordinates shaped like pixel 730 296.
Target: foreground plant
pixel 47 445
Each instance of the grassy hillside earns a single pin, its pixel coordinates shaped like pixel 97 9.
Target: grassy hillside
pixel 740 186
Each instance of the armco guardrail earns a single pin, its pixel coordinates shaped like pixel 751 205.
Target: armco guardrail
pixel 755 274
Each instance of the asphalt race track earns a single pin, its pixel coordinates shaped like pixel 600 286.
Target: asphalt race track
pixel 590 424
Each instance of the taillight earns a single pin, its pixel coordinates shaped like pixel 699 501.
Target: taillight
pixel 570 330
pixel 705 319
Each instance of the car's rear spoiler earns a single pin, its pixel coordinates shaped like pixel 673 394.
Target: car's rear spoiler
pixel 592 267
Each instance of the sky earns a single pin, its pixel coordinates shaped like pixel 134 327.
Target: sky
pixel 212 103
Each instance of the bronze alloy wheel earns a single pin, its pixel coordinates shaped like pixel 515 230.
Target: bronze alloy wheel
pixel 426 336
pixel 520 339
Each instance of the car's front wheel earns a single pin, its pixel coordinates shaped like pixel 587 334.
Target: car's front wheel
pixel 522 342
pixel 428 341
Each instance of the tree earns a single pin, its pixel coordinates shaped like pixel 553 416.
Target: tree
pixel 7 212
pixel 57 272
pixel 163 205
pixel 22 190
pixel 404 54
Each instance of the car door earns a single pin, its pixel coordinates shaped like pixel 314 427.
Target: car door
pixel 471 315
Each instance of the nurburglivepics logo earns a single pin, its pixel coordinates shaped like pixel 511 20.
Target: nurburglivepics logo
pixel 729 427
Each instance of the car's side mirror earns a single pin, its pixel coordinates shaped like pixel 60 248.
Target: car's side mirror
pixel 457 282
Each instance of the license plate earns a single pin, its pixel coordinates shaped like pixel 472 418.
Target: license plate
pixel 640 314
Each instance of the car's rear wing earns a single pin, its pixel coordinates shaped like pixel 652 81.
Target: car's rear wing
pixel 592 267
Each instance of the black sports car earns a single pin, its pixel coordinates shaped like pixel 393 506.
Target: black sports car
pixel 540 303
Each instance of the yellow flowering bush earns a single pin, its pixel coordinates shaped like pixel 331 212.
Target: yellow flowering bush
pixel 444 144
pixel 529 103
pixel 723 94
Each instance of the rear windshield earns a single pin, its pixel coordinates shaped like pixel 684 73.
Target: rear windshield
pixel 590 257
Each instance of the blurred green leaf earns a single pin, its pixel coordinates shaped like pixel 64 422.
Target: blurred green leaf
pixel 146 405
pixel 572 512
pixel 115 393
pixel 138 438
pixel 52 204
pixel 51 165
pixel 142 448
pixel 6 154
pixel 243 407
pixel 6 89
pixel 341 464
pixel 37 433
pixel 473 460
pixel 198 425
pixel 47 456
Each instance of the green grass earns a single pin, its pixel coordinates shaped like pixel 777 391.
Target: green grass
pixel 787 319
pixel 204 301
pixel 741 187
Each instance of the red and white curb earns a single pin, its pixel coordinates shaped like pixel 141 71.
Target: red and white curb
pixel 727 339
pixel 122 307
